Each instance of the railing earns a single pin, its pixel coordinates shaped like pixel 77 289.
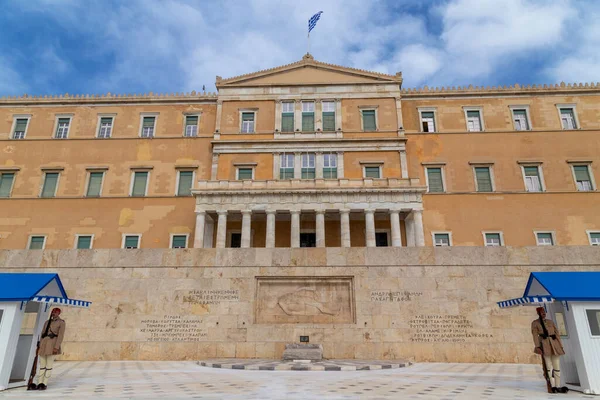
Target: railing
pixel 290 184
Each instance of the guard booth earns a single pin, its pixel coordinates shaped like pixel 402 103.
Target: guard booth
pixel 572 301
pixel 25 303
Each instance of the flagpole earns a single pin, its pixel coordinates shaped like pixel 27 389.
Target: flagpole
pixel 308 44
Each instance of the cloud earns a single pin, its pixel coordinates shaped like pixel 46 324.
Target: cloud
pixel 181 45
pixel 11 81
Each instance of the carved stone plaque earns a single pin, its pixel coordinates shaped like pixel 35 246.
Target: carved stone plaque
pixel 305 300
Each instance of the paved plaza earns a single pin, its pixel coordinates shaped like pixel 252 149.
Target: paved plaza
pixel 188 380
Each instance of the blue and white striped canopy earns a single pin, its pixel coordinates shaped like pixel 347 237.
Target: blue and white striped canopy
pixel 525 301
pixel 61 301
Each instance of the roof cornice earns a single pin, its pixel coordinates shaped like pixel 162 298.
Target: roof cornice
pixel 108 98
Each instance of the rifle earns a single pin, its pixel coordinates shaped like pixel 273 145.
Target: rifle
pixel 30 384
pixel 546 376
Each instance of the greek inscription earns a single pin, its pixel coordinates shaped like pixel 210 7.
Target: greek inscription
pixel 435 328
pixel 211 296
pixel 172 328
pixel 394 297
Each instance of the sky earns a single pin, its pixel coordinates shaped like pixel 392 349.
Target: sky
pixel 160 46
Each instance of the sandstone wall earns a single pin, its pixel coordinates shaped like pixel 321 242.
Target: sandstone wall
pixel 426 304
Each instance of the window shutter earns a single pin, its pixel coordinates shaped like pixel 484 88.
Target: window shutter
pixel 329 121
pixel 191 120
pixel 139 184
pixel 372 172
pixel 105 121
pixel 484 179
pixel 244 173
pixel 287 122
pixel 50 182
pixel 37 243
pixel 148 122
pixel 179 242
pixel 308 122
pixel 247 116
pixel 131 242
pixel 185 183
pixel 581 173
pixel 434 176
pixel 95 184
pixel 369 120
pixel 531 171
pixel 84 242
pixel 6 181
pixel 330 173
pixel 21 125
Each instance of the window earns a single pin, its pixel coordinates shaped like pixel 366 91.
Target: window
pixel 474 122
pixel 594 238
pixel 561 325
pixel 83 242
pixel 381 239
pixel 369 120
pixel 483 179
pixel 567 118
pixel 105 128
pixel 62 128
pixel 308 166
pixel 372 171
pixel 94 188
pixel 533 180
pixel 308 116
pixel 427 121
pixel 520 119
pixel 441 239
pixel 50 184
pixel 191 126
pixel 235 240
pixel 131 241
pixel 308 239
pixel 139 183
pixel 493 239
pixel 544 238
pixel 6 183
pixel 185 181
pixel 435 181
pixel 179 241
pixel 593 317
pixel 248 122
pixel 245 173
pixel 582 178
pixel 37 242
pixel 330 166
pixel 328 116
pixel 286 166
pixel 148 124
pixel 20 128
pixel 287 117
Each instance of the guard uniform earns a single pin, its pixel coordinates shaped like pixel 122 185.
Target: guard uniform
pixel 549 341
pixel 50 341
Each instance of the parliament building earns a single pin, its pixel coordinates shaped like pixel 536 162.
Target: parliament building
pixel 308 200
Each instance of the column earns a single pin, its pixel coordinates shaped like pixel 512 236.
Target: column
pixel 270 241
pixel 276 164
pixel 319 165
pixel 278 115
pixel 297 165
pixel 209 230
pixel 297 116
pixel 403 164
pixel 199 231
pixel 418 227
pixel 215 166
pixel 318 116
pixel 370 227
pixel 340 164
pixel 409 223
pixel 320 228
pixel 399 116
pixel 395 225
pixel 246 222
pixel 345 227
pixel 221 229
pixel 218 117
pixel 295 230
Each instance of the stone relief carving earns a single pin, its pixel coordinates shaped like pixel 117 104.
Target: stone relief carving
pixel 304 301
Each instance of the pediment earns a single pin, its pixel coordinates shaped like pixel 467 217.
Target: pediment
pixel 308 72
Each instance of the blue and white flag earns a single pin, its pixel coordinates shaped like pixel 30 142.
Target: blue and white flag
pixel 312 22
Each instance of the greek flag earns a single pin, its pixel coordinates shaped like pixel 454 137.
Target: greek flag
pixel 312 22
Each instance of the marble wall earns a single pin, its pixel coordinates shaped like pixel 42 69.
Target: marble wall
pixel 424 304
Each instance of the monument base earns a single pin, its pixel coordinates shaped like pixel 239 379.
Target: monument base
pixel 302 351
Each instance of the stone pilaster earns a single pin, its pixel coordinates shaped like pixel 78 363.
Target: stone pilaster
pixel 270 240
pixel 370 227
pixel 221 229
pixel 246 222
pixel 320 228
pixel 418 228
pixel 395 225
pixel 403 164
pixel 295 228
pixel 199 231
pixel 345 227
